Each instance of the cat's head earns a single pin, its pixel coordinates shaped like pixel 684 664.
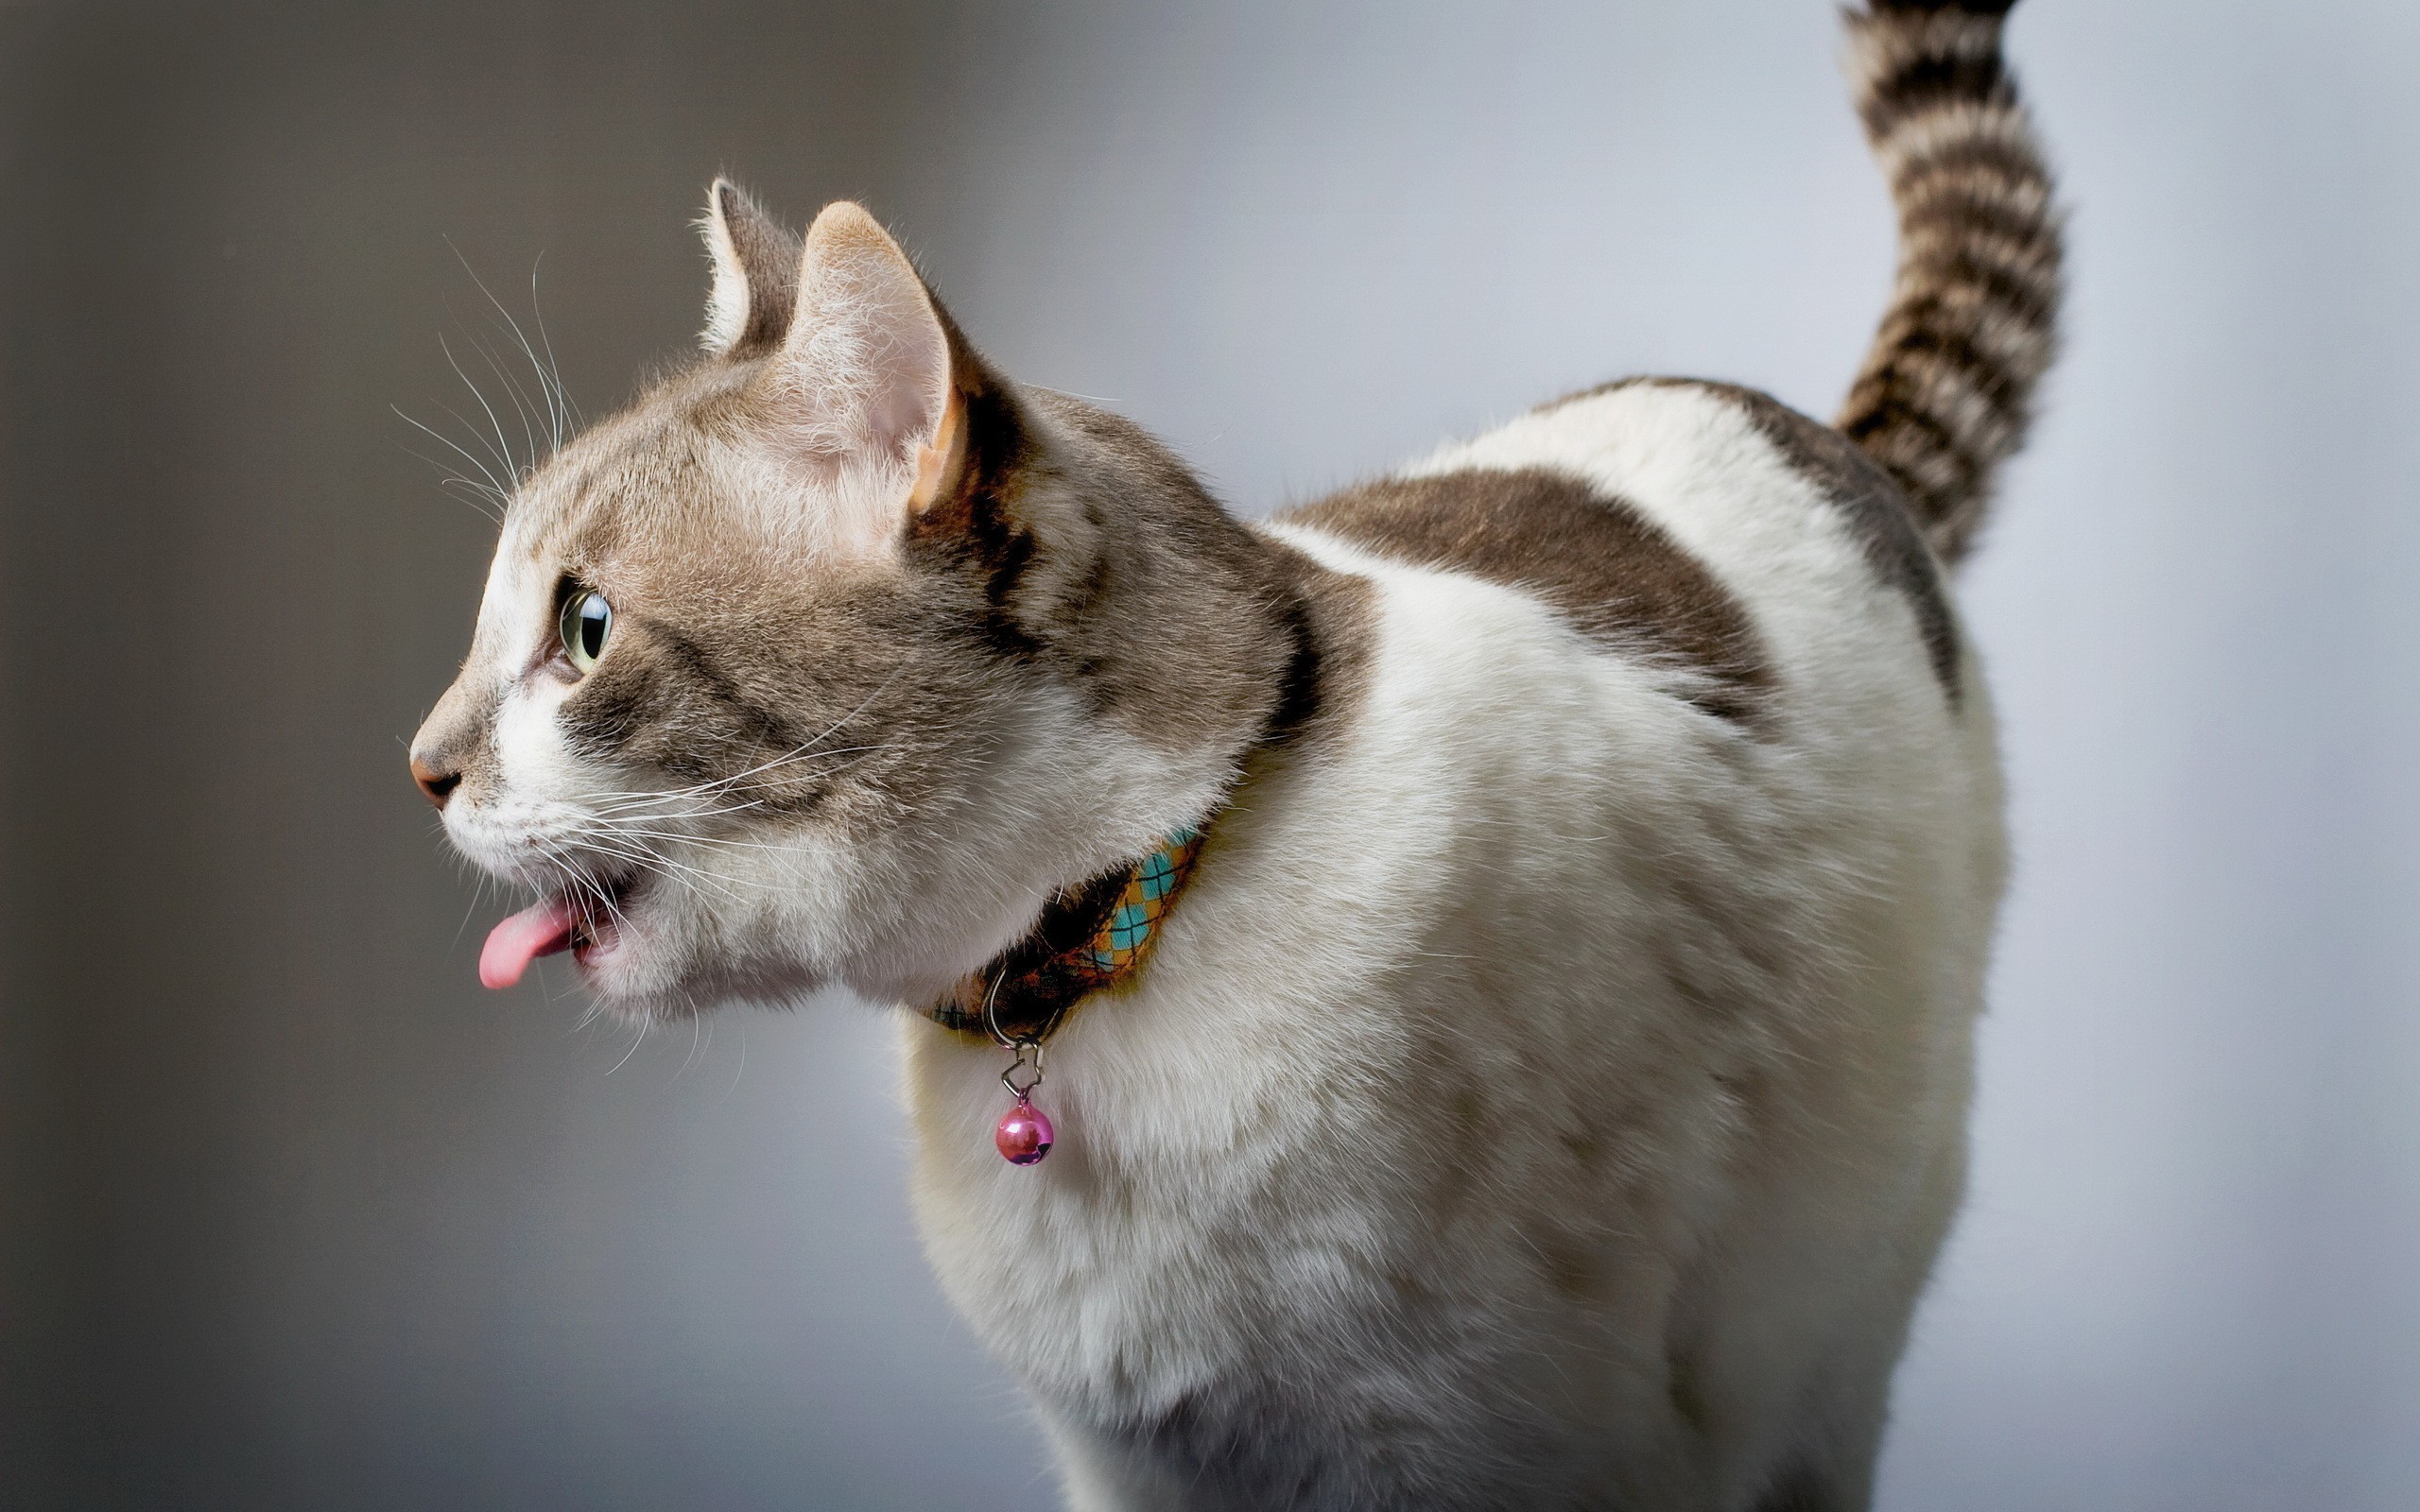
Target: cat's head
pixel 830 658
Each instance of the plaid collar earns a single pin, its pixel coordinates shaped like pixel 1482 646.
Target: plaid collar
pixel 1089 938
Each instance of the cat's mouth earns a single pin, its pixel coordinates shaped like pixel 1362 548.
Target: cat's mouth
pixel 588 921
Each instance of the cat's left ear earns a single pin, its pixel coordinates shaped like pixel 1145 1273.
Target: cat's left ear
pixel 755 261
pixel 871 357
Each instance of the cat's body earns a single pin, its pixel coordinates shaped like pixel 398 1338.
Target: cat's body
pixel 1529 1029
pixel 1547 1089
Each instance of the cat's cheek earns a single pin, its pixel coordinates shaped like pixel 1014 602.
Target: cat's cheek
pixel 535 765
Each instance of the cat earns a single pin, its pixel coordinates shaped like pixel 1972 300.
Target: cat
pixel 1505 937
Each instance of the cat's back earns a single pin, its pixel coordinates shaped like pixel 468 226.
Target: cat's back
pixel 1756 560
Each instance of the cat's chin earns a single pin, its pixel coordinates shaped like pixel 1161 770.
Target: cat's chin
pixel 662 955
pixel 647 975
pixel 628 976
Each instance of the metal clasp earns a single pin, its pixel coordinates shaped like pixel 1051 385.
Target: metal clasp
pixel 1026 1051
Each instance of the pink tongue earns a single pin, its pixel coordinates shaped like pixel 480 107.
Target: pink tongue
pixel 528 934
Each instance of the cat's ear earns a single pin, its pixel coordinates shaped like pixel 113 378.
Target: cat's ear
pixel 869 353
pixel 755 259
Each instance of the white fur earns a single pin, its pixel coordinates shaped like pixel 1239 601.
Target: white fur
pixel 1540 1032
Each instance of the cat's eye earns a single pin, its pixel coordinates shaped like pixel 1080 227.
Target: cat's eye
pixel 587 621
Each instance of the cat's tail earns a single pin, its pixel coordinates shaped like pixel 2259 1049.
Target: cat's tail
pixel 1947 389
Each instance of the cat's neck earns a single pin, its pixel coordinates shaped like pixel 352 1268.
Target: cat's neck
pixel 1111 569
pixel 1108 570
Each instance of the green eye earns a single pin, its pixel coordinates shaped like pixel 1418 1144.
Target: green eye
pixel 587 620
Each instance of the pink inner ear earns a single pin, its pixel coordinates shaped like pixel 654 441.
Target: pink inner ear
pixel 902 417
pixel 866 345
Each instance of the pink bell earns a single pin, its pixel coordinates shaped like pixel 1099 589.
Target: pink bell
pixel 1024 1134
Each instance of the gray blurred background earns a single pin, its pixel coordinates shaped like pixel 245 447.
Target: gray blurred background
pixel 296 1218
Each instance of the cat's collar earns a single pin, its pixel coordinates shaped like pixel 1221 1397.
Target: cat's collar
pixel 1091 936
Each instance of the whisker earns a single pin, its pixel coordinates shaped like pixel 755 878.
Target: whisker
pixel 481 496
pixel 722 842
pixel 521 404
pixel 721 787
pixel 636 1040
pixel 514 325
pixel 554 370
pixel 662 866
pixel 467 423
pixel 713 785
pixel 501 493
pixel 579 879
pixel 814 741
pixel 504 447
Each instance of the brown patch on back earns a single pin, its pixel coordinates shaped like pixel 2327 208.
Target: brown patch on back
pixel 1600 562
pixel 1867 498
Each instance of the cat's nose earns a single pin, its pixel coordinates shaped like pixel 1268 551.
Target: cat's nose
pixel 438 785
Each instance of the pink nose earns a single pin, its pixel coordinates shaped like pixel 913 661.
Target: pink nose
pixel 438 785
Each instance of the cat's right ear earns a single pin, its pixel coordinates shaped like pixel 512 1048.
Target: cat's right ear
pixel 755 287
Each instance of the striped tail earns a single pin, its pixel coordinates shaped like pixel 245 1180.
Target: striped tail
pixel 1948 391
